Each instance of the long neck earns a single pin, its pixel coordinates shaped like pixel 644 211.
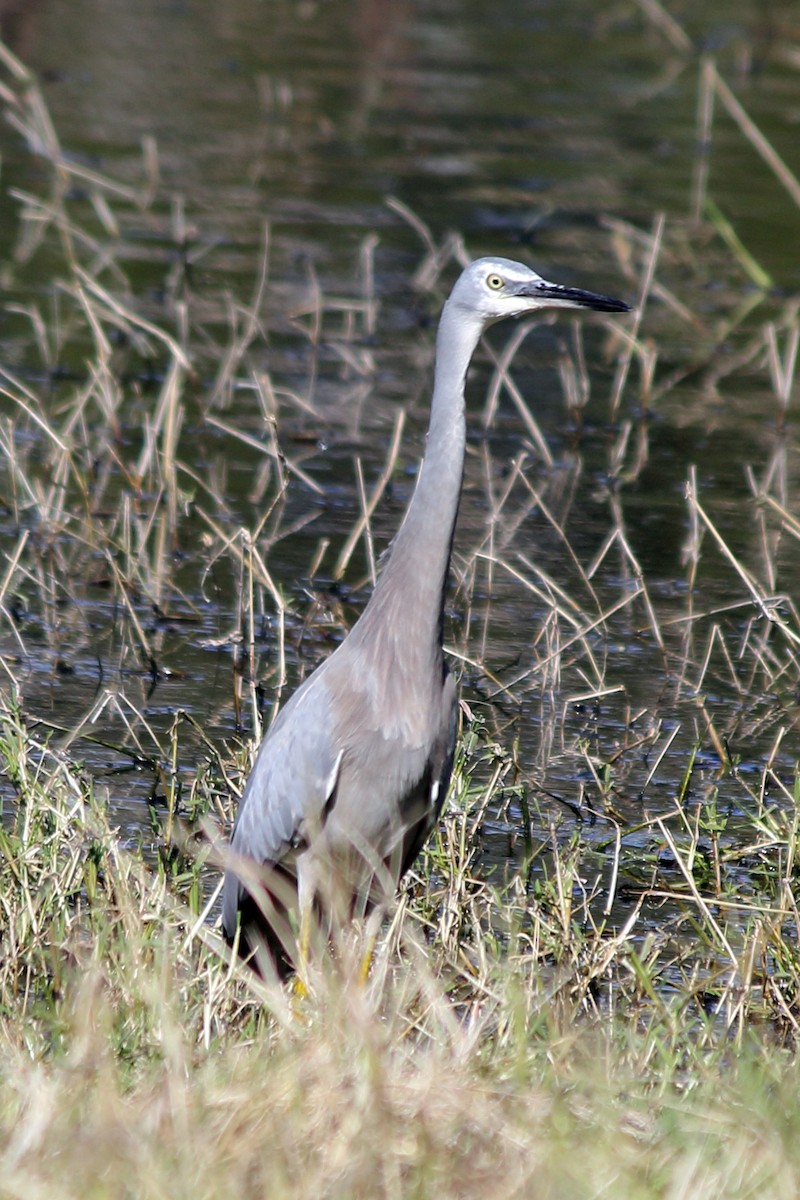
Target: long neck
pixel 409 595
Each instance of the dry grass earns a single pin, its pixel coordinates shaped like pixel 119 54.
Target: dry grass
pixel 614 1008
pixel 502 1043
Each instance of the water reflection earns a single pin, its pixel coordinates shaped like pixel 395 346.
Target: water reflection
pixel 20 25
pixel 579 560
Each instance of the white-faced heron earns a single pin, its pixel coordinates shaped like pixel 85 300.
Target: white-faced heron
pixel 351 775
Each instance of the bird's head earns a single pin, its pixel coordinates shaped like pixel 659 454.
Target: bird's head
pixel 491 289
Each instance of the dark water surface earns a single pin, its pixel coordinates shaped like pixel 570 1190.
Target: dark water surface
pixel 524 127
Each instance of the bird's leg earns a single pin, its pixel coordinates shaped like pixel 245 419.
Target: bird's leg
pixel 373 928
pixel 379 898
pixel 304 950
pixel 306 896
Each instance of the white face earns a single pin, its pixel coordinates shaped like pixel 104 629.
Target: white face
pixel 491 289
pixel 497 286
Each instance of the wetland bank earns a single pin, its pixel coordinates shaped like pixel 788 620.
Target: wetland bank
pixel 213 402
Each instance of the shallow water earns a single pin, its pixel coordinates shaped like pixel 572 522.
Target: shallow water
pixel 524 127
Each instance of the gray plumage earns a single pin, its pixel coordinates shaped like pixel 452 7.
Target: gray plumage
pixel 351 776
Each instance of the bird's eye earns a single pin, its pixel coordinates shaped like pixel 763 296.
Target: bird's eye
pixel 495 282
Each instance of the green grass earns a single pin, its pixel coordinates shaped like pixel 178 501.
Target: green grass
pixel 501 1044
pixel 611 1014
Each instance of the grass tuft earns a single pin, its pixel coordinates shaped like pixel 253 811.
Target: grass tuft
pixel 591 980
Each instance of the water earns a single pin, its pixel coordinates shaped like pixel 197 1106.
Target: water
pixel 524 127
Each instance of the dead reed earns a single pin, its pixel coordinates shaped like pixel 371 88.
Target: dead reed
pixel 611 1002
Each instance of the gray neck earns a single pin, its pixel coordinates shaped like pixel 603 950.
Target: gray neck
pixel 409 595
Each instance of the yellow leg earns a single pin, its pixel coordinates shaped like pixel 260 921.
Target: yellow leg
pixel 366 961
pixel 374 922
pixel 303 951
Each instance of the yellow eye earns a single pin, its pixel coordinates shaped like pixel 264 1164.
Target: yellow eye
pixel 495 282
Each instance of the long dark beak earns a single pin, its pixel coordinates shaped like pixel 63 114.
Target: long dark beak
pixel 567 297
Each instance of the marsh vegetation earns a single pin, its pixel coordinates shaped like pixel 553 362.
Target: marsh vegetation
pixel 590 982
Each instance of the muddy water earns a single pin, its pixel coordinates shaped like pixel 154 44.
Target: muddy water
pixel 523 126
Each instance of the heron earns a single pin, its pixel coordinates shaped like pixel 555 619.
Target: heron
pixel 351 776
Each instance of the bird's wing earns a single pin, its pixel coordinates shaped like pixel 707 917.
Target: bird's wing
pixel 440 765
pixel 444 747
pixel 293 779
